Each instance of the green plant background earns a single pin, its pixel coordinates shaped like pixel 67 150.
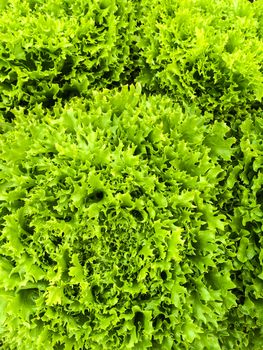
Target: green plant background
pixel 131 174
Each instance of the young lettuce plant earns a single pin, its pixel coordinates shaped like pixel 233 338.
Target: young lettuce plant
pixel 111 234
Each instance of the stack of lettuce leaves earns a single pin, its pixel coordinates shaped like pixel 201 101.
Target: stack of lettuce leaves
pixel 131 175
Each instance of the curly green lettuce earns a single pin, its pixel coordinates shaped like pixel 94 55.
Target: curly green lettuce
pixel 111 235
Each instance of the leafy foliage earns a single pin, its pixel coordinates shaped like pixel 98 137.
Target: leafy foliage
pixel 131 161
pixel 62 49
pixel 206 52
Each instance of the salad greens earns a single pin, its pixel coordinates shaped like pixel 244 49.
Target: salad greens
pixel 131 158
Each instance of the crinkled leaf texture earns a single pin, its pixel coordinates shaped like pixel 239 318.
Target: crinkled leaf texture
pixel 131 157
pixel 112 236
pixel 204 51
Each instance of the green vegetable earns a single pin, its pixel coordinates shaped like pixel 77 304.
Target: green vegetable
pixel 131 156
pixel 206 52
